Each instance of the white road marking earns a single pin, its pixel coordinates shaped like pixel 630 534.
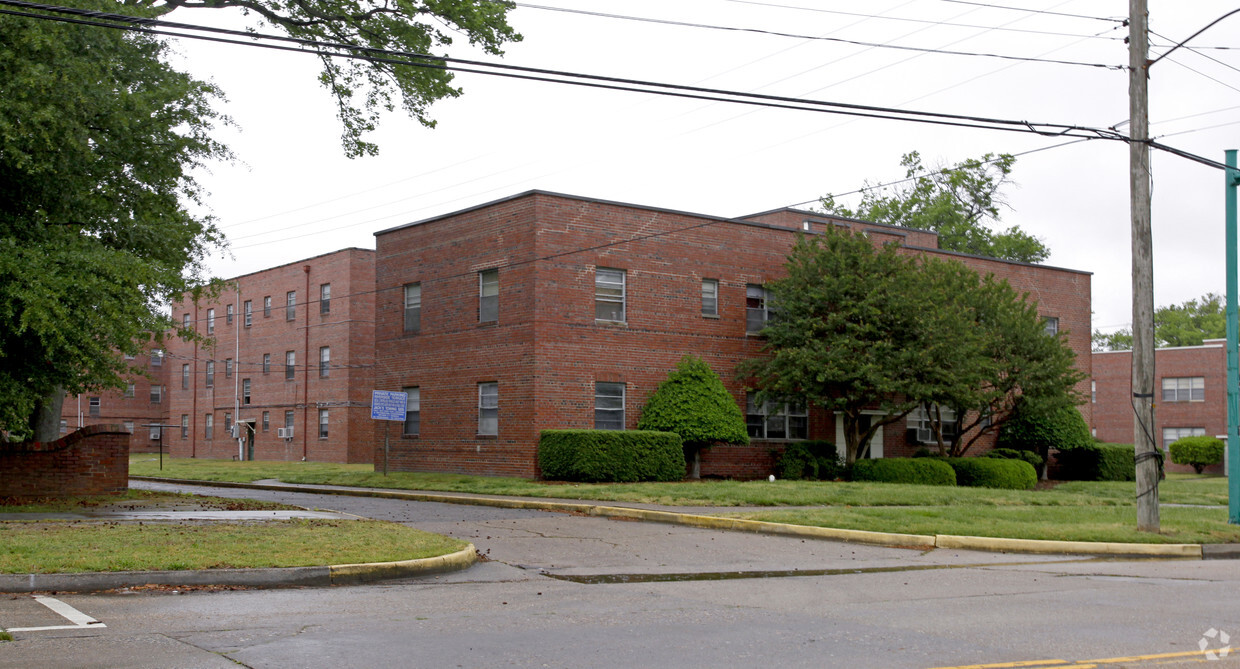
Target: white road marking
pixel 80 620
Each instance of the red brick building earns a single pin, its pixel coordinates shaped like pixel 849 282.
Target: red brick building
pixel 143 402
pixel 1190 389
pixel 547 311
pixel 288 361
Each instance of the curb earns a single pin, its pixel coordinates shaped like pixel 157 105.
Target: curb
pixel 913 541
pixel 275 577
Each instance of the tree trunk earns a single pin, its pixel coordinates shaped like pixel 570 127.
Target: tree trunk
pixel 45 420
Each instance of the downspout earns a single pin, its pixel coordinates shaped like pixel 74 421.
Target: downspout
pixel 237 374
pixel 305 387
pixel 193 415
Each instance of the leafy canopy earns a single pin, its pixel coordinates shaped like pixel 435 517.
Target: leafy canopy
pixel 962 204
pixel 1187 324
pixel 98 139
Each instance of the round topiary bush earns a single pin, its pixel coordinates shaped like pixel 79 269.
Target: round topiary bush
pixel 994 473
pixel 924 471
pixel 693 402
pixel 1200 452
pixel 1033 428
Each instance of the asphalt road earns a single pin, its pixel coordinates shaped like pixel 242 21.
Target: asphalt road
pixel 570 591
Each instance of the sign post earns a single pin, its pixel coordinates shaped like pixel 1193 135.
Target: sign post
pixel 387 405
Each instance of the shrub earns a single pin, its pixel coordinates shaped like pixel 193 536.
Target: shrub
pixel 814 459
pixel 992 472
pixel 1099 462
pixel 1064 429
pixel 610 455
pixel 1200 452
pixel 693 402
pixel 1013 454
pixel 926 471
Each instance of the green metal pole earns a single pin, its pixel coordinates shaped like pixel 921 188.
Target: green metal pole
pixel 1232 179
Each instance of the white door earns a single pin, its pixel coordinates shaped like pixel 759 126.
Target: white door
pixel 876 443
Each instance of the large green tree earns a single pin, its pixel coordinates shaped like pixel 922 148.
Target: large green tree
pixel 693 402
pixel 1187 324
pixel 962 204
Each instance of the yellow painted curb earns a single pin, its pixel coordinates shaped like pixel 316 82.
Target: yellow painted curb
pixel 374 571
pixel 1081 547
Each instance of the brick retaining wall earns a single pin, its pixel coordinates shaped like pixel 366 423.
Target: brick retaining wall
pixel 91 461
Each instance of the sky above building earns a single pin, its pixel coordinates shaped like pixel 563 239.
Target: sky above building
pixel 292 194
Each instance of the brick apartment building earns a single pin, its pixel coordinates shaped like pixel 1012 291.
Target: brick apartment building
pixel 1191 395
pixel 545 311
pixel 143 402
pixel 289 361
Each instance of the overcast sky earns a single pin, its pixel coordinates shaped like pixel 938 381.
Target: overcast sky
pixel 294 195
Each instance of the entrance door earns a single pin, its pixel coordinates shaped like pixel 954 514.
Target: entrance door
pixel 249 439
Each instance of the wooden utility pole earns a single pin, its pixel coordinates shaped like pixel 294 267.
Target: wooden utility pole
pixel 1149 464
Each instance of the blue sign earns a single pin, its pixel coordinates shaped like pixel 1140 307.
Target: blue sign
pixel 388 405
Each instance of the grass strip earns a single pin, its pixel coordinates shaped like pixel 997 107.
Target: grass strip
pixel 1180 525
pixel 71 546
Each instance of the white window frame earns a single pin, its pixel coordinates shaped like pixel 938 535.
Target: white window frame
pixel 1184 389
pixel 710 297
pixel 210 321
pixel 246 388
pixel 290 307
pixel 266 421
pixel 157 394
pixel 228 368
pixel 185 376
pixel 266 306
pixel 325 362
pixel 94 406
pixel 1170 435
pixel 488 409
pixel 184 426
pixel 323 423
pixel 1050 324
pixel 248 312
pixel 607 415
pixel 290 365
pixel 488 296
pixel 759 420
pixel 208 428
pixel 610 290
pixel 325 298
pixel 210 373
pixel 412 426
pixel 757 311
pixel 130 388
pixel 920 422
pixel 228 314
pixel 413 307
pixel 266 363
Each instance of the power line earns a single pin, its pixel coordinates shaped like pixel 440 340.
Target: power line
pixel 1190 37
pixel 818 38
pixel 1036 11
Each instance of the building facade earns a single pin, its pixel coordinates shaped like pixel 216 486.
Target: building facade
pixel 544 311
pixel 1190 388
pixel 143 402
pixel 286 359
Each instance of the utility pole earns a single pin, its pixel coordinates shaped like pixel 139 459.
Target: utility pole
pixel 1148 458
pixel 1231 181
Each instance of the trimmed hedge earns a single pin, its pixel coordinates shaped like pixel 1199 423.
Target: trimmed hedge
pixel 1013 454
pixel 1098 462
pixel 994 473
pixel 813 459
pixel 1200 452
pixel 613 456
pixel 924 471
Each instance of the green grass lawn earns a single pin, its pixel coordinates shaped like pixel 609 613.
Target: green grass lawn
pixel 1077 510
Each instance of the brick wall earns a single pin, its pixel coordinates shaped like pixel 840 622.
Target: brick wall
pixel 90 461
pixel 121 408
pixel 547 350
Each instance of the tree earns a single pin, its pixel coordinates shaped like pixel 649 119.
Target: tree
pixel 1040 427
pixel 98 137
pixel 959 203
pixel 693 402
pixel 1187 324
pixel 1013 360
pixel 364 89
pixel 853 330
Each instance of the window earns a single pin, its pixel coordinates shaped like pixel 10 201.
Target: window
pixel 488 408
pixel 228 314
pixel 1051 325
pixel 94 407
pixel 228 368
pixel 185 321
pixel 1093 392
pixel 155 433
pixel 609 294
pixel 228 423
pixel 210 373
pixel 266 421
pixel 710 297
pixel 266 363
pixel 185 377
pixel 1184 389
pixel 128 425
pixel 245 391
pixel 208 427
pixel 157 394
pixel 756 311
pixel 921 424
pixel 185 426
pixel 267 307
pixel 290 365
pixel 64 426
pixel 157 357
pixel 488 296
pixel 322 423
pixel 290 310
pixel 210 321
pixel 413 307
pixel 288 420
pixel 1172 434
pixel 413 411
pixel 129 356
pixel 129 389
pixel 325 298
pixel 247 312
pixel 776 420
pixel 325 359
pixel 608 406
